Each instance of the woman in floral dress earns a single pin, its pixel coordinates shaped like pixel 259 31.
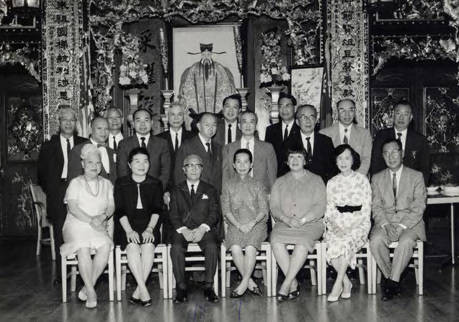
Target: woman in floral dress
pixel 347 218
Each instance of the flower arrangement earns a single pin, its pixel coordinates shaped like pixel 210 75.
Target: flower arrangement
pixel 273 71
pixel 133 71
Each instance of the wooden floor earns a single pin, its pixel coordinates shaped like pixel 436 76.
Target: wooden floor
pixel 27 294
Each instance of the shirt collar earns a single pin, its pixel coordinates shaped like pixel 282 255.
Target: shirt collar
pixel 196 184
pixel 398 172
pixel 173 132
pixel 117 136
pixel 146 136
pixel 403 132
pixel 304 136
pixel 342 127
pixel 94 142
pixel 203 140
pixel 64 139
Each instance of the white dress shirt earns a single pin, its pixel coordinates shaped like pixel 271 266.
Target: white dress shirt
pixel 233 131
pixel 173 135
pixel 290 125
pixel 103 156
pixel 118 138
pixel 139 200
pixel 195 186
pixel 65 167
pixel 402 138
pixel 139 138
pixel 305 142
pixel 341 133
pixel 204 141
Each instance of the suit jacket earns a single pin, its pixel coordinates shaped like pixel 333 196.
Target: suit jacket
pixel 416 155
pixel 75 168
pixel 212 164
pixel 50 164
pixel 409 206
pixel 360 140
pixel 264 162
pixel 158 150
pixel 166 136
pixel 220 133
pixel 204 208
pixel 274 136
pixel 322 162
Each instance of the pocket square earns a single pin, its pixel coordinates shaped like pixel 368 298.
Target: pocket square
pixel 204 196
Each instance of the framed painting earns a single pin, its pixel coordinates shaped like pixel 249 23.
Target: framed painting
pixel 207 64
pixel 306 85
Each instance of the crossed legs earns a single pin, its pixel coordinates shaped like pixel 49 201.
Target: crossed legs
pixel 245 263
pixel 140 260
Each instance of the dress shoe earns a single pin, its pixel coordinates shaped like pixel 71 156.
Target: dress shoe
pixel 395 286
pixel 236 295
pixel 334 298
pixel 294 294
pixel 82 296
pixel 133 300
pixel 181 296
pixel 255 291
pixel 281 297
pixel 387 294
pixel 146 303
pixel 210 295
pixel 346 295
pixel 91 304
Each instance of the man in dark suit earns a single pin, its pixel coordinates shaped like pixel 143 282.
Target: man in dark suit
pixel 416 149
pixel 160 158
pixel 209 151
pixel 99 135
pixel 194 214
pixel 318 147
pixel 114 117
pixel 227 128
pixel 277 134
pixel 398 204
pixel 53 169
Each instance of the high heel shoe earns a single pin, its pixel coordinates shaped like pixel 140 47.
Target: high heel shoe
pixel 281 297
pixel 236 295
pixel 294 294
pixel 346 295
pixel 82 296
pixel 332 298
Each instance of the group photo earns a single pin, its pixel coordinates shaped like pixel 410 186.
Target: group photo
pixel 229 160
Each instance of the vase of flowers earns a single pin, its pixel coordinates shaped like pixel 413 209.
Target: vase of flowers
pixel 274 74
pixel 133 72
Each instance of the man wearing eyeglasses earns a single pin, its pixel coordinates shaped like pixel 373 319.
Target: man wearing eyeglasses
pixel 346 131
pixel 399 201
pixel 195 217
pixel 416 149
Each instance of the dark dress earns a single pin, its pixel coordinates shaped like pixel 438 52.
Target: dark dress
pixel 151 195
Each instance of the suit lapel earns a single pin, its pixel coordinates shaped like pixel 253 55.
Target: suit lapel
pixel 335 135
pixel 257 157
pixel 402 184
pixel 186 194
pixel 388 183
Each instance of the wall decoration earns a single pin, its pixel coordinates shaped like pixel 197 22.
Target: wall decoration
pixel 27 55
pixel 441 106
pixel 383 101
pixel 205 66
pixel 307 86
pixel 348 56
pixel 273 68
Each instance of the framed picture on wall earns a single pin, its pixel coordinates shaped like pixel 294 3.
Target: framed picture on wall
pixel 306 85
pixel 206 65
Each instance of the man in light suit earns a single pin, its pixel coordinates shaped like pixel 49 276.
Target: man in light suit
pixel 346 132
pixel 227 128
pixel 99 135
pixel 415 147
pixel 318 147
pixel 114 117
pixel 277 134
pixel 264 158
pixel 157 148
pixel 399 201
pixel 195 216
pixel 209 151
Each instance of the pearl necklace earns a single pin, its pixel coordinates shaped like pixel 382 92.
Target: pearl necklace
pixel 88 187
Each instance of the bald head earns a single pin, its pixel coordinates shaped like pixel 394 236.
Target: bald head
pixel 99 130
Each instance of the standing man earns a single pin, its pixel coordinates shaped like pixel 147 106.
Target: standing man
pixel 416 149
pixel 195 216
pixel 346 132
pixel 99 135
pixel 278 134
pixel 399 201
pixel 115 123
pixel 53 169
pixel 318 147
pixel 264 158
pixel 227 128
pixel 210 152
pixel 157 148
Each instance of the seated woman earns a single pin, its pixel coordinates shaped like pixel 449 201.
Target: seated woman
pixel 245 208
pixel 90 205
pixel 297 205
pixel 138 200
pixel 347 218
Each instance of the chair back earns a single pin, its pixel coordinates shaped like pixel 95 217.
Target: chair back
pixel 39 203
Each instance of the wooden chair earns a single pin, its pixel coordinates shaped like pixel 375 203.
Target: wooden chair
pixel 315 266
pixel 264 257
pixel 194 255
pixel 417 264
pixel 39 203
pixel 121 262
pixel 72 261
pixel 363 255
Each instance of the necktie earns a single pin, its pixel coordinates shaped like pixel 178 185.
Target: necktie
pixel 345 140
pixel 399 137
pixel 143 142
pixel 68 148
pixel 286 133
pixel 208 148
pixel 176 142
pixel 394 184
pixel 309 148
pixel 229 134
pixel 192 192
pixel 114 143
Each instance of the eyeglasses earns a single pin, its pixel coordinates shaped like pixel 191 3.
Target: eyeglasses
pixel 305 117
pixel 190 166
pixel 393 153
pixel 343 111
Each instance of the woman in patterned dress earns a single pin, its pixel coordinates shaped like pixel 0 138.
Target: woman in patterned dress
pixel 347 218
pixel 245 208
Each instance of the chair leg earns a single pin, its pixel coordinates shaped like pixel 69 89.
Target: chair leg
pixel 369 273
pixel 421 267
pixel 416 271
pixel 123 277
pixel 269 269
pixel 110 276
pixel 160 276
pixel 378 276
pixel 361 271
pixel 223 267
pixel 374 269
pixel 228 274
pixel 38 240
pixel 64 278
pixel 118 273
pixel 324 268
pixel 170 272
pixel 73 276
pixel 165 273
pixel 274 275
pixel 51 241
pixel 313 272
